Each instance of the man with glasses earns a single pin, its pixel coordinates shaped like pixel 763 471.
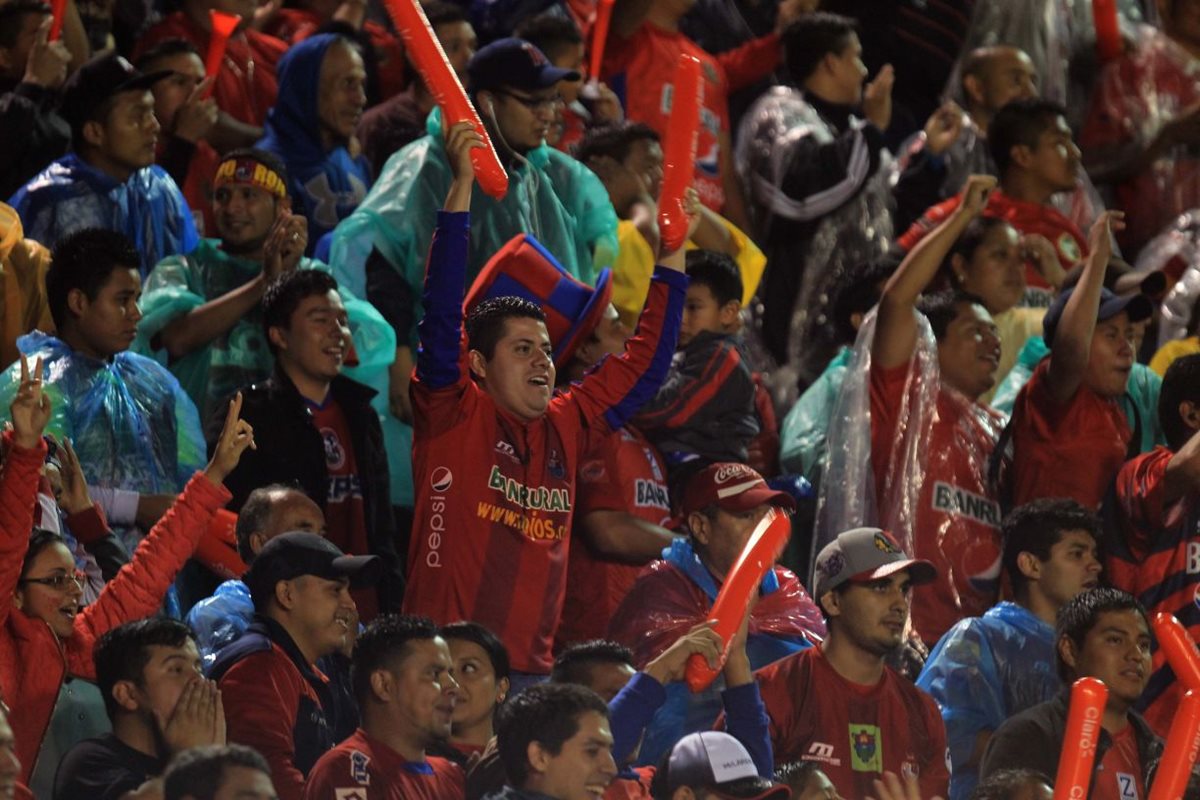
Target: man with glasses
pixel 379 251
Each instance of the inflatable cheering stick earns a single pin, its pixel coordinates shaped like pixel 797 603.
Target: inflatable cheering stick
pixel 1082 735
pixel 1179 649
pixel 426 52
pixel 223 26
pixel 679 152
pixel 1108 32
pixel 599 38
pixel 1183 745
pixel 58 9
pixel 764 546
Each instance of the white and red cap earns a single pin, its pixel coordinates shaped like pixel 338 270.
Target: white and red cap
pixel 731 487
pixel 717 762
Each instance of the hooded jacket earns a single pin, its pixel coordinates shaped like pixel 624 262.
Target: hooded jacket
pixel 326 184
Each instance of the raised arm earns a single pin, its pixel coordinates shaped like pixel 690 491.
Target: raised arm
pixel 1072 344
pixel 896 325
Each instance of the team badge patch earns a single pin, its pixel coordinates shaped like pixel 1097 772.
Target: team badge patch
pixel 866 751
pixel 358 768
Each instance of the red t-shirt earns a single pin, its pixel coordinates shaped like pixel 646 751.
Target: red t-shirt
pixel 1119 776
pixel 1026 217
pixel 1069 450
pixel 854 732
pixel 363 767
pixel 245 87
pixel 345 519
pixel 294 25
pixel 1157 560
pixel 956 522
pixel 622 473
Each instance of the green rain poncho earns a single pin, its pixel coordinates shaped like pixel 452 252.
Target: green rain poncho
pixel 555 198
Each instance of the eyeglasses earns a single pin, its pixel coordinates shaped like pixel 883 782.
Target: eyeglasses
pixel 59 583
pixel 536 104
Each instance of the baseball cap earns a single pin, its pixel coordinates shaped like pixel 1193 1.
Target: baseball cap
pixel 297 553
pixel 731 487
pixel 103 76
pixel 1138 306
pixel 866 554
pixel 716 761
pixel 517 64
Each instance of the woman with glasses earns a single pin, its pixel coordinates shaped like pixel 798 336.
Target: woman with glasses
pixel 44 633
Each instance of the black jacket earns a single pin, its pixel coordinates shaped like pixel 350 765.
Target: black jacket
pixel 290 451
pixel 32 134
pixel 1033 739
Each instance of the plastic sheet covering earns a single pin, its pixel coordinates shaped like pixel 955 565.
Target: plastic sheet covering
pixel 1135 97
pixel 857 233
pixel 673 595
pixel 553 197
pixel 934 481
pixel 218 620
pixel 1176 251
pixel 802 441
pixel 983 671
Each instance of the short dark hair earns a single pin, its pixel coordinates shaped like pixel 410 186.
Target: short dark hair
pixel 284 296
pixel 549 33
pixel 1180 384
pixel 254 515
pixel 795 774
pixel 467 631
pixel 165 49
pixel 614 140
pixel 1039 525
pixel 718 272
pixel 443 13
pixel 12 20
pixel 1006 784
pixel 942 308
pixel 1020 122
pixel 264 157
pixel 84 260
pixel 811 37
pixel 486 321
pixel 1080 614
pixel 122 653
pixel 384 641
pixel 548 714
pixel 574 664
pixel 199 772
pixel 857 292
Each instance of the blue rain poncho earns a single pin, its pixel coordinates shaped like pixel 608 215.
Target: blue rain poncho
pixel 325 185
pixel 802 440
pixel 1140 401
pixel 554 197
pixel 218 620
pixel 984 670
pixel 129 420
pixel 69 195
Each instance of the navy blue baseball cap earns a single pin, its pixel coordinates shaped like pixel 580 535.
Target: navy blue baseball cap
pixel 516 64
pixel 1138 306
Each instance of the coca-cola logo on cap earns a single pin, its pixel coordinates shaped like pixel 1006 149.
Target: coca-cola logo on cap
pixel 728 472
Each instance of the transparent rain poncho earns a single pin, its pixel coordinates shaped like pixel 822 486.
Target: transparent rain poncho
pixel 553 197
pixel 932 496
pixel 1176 249
pixel 221 618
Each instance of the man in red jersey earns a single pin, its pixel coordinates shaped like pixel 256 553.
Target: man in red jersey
pixel 494 453
pixel 839 704
pixel 1157 556
pixel 404 682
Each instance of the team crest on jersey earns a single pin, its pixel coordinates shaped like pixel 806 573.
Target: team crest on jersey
pixel 1069 247
pixel 358 768
pixel 555 465
pixel 335 454
pixel 866 752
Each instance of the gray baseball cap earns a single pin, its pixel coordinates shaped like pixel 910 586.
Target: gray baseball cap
pixel 866 554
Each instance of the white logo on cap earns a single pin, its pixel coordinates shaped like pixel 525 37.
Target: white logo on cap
pixel 728 759
pixel 731 471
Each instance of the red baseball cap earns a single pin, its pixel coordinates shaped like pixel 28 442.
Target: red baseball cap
pixel 732 487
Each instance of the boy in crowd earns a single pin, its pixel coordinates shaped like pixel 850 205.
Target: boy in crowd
pixel 713 764
pixel 1035 159
pixel 322 431
pixel 864 582
pixel 1157 507
pixel 490 535
pixel 1101 633
pixel 159 705
pixel 110 180
pixel 405 687
pixel 1070 435
pixel 217 773
pixel 276 699
pixel 986 669
pixel 704 412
